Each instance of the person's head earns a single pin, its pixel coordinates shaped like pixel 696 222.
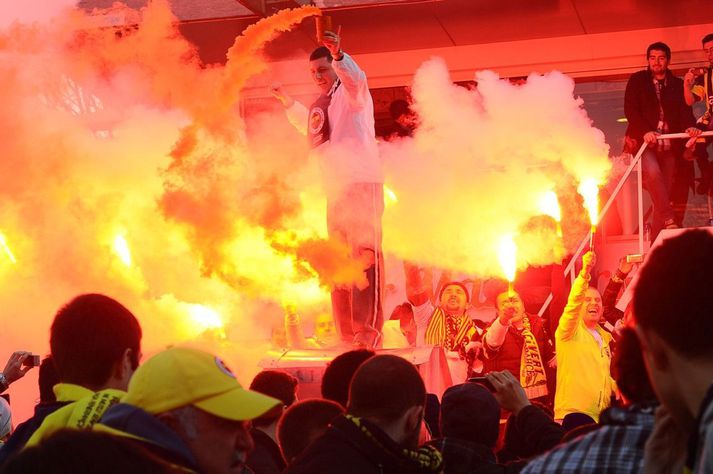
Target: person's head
pixel 320 67
pixel 195 395
pixel 325 329
pixel 708 46
pixel 47 379
pixel 275 384
pixel 628 369
pixel 673 303
pixel 388 391
pixel 511 305
pixel 454 298
pixel 95 342
pixel 72 451
pixel 338 374
pixel 658 56
pixel 470 412
pixel 574 420
pixel 303 423
pixel 402 114
pixel 592 309
pixel 404 314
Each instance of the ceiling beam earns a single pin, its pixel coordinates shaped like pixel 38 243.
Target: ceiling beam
pixel 265 8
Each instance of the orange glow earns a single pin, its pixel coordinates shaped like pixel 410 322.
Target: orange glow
pixel 6 248
pixel 390 197
pixel 205 317
pixel 590 192
pixel 507 255
pixel 121 249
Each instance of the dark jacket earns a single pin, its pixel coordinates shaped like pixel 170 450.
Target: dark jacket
pixel 345 449
pixel 530 433
pixel 641 106
pixel 464 457
pixel 610 312
pixel 123 419
pixel 265 458
pixel 25 430
pixel 508 356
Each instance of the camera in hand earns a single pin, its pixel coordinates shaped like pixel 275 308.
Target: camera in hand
pixel 31 360
pixel 482 381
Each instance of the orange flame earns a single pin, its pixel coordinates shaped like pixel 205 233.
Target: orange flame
pixel 390 197
pixel 6 248
pixel 507 255
pixel 121 249
pixel 550 206
pixel 590 192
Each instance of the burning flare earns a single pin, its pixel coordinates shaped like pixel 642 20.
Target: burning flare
pixel 205 317
pixel 507 255
pixel 121 249
pixel 6 249
pixel 590 192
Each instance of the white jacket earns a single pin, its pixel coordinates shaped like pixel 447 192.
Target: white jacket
pixel 351 155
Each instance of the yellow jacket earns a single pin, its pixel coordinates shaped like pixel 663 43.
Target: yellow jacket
pixel 85 410
pixel 584 382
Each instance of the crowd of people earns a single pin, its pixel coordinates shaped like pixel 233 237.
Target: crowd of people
pixel 606 391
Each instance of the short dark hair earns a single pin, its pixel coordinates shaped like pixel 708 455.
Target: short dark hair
pixel 628 369
pixel 321 52
pixel 659 46
pixel 338 374
pixel 47 379
pixel 384 388
pixel 304 422
pixel 276 384
pixel 86 451
pixel 398 108
pixel 707 38
pixel 673 296
pixel 471 413
pixel 88 338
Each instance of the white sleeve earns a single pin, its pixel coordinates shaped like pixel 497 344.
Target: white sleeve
pixel 353 79
pixel 422 316
pixel 297 114
pixel 495 335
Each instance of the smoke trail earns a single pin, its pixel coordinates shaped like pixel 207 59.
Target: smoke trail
pixel 479 164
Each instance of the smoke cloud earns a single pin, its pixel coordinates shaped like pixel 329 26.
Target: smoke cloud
pixel 479 165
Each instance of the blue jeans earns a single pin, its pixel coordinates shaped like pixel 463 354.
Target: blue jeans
pixel 658 169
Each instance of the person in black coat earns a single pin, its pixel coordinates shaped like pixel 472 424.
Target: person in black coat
pixel 654 105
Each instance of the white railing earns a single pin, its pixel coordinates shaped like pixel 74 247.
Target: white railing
pixel 635 163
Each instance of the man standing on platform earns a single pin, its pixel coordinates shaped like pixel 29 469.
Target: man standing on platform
pixel 654 105
pixel 340 126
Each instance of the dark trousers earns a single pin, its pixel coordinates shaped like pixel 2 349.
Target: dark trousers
pixel 355 218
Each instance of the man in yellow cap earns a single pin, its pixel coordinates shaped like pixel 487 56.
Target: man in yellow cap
pixel 186 406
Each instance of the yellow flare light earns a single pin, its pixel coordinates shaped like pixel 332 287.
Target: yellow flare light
pixel 205 317
pixel 6 249
pixel 590 192
pixel 549 206
pixel 121 249
pixel 507 255
pixel 390 196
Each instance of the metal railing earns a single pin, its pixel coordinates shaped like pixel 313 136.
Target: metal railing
pixel 635 163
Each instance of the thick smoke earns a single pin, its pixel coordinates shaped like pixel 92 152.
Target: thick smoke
pixel 479 165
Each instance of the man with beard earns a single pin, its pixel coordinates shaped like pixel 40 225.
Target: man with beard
pixel 584 383
pixel 446 325
pixel 380 431
pixel 517 342
pixel 654 104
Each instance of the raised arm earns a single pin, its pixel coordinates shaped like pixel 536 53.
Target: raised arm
pixel 296 112
pixel 352 77
pixel 570 317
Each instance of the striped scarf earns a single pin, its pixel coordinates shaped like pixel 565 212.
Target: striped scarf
pixel 450 332
pixel 427 458
pixel 532 369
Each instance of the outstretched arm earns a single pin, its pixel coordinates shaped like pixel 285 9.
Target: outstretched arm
pixel 570 317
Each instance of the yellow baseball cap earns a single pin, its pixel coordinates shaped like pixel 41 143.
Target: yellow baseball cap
pixel 182 376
